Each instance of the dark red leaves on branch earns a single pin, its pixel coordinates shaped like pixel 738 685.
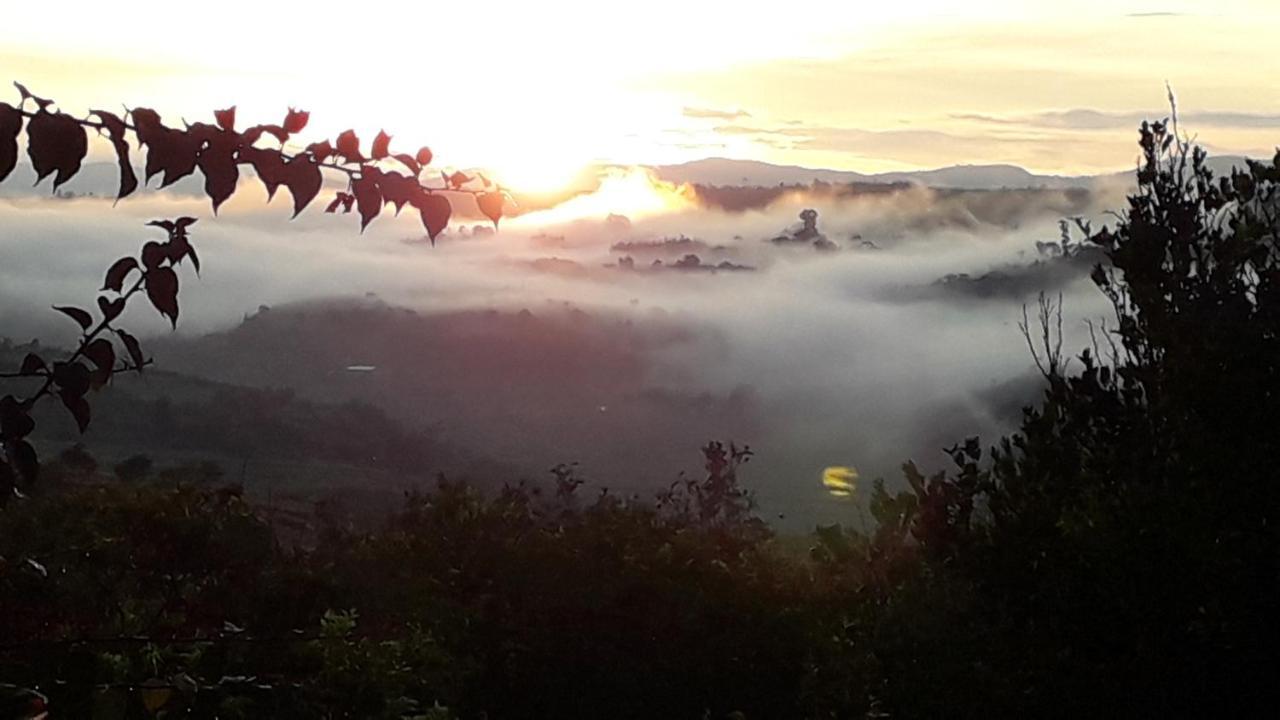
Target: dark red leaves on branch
pixel 15 419
pixel 424 156
pixel 321 151
pixel 115 128
pixel 10 126
pixel 408 161
pixel 162 290
pixel 78 407
pixel 170 151
pixel 154 254
pixel 56 142
pixel 218 162
pixel 82 317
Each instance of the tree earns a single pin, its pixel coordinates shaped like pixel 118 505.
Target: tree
pixel 1121 548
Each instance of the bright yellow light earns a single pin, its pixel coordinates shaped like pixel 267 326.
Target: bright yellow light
pixel 840 481
pixel 633 192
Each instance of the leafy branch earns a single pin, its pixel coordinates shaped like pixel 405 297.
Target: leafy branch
pixel 57 144
pixel 94 361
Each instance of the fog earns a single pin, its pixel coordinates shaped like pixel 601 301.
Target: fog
pixel 857 355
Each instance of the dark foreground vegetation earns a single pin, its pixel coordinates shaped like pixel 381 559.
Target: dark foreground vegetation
pixel 1116 557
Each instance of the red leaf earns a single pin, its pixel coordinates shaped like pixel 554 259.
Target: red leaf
pixel 251 135
pixel 458 179
pixel 424 156
pixel 409 162
pixel 348 145
pixel 218 163
pixel 117 273
pixel 368 196
pixel 491 205
pixel 102 354
pixel 10 126
pixel 111 309
pixel 303 178
pixel 321 150
pixel 79 408
pixel 42 103
pixel 15 419
pixel 226 119
pixel 71 377
pixel 435 211
pixel 153 254
pixel 296 120
pixel 24 460
pixel 32 364
pixel 133 348
pixel 80 316
pixel 269 165
pixel 179 248
pixel 337 201
pixel 55 141
pixel 398 189
pixel 116 132
pixel 162 290
pixel 381 145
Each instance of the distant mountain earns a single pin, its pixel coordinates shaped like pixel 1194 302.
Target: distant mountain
pixel 727 172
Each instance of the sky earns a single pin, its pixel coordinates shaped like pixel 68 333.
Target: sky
pixel 535 91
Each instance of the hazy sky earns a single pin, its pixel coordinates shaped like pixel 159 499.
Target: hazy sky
pixel 536 89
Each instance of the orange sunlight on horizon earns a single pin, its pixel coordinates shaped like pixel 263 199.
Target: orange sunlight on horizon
pixel 632 192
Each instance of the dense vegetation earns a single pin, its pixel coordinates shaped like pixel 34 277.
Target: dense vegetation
pixel 1116 556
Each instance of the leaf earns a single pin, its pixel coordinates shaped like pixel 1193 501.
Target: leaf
pixel 24 460
pixel 110 309
pixel 458 179
pixel 15 419
pixel 226 119
pixel 42 103
pixel 71 377
pixel 303 178
pixel 332 207
pixel 180 249
pixel 80 316
pixel 408 161
pixel 117 273
pixel 162 290
pixel 491 205
pixel 79 408
pixel 133 348
pixel 55 141
pixel 348 146
pixel 116 132
pixel 435 211
pixel 33 364
pixel 368 196
pixel 153 254
pixel 269 166
pixel 250 136
pixel 296 120
pixel 424 156
pixel 102 354
pixel 381 145
pixel 321 151
pixel 218 163
pixel 10 126
pixel 170 151
pixel 398 189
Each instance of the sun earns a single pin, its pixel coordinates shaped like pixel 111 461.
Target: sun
pixel 536 173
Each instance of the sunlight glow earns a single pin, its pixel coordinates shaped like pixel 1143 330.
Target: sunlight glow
pixel 633 192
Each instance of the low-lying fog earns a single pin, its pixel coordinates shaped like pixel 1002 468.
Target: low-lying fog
pixel 864 350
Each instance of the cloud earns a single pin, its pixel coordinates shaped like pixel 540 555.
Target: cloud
pixel 1090 119
pixel 697 113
